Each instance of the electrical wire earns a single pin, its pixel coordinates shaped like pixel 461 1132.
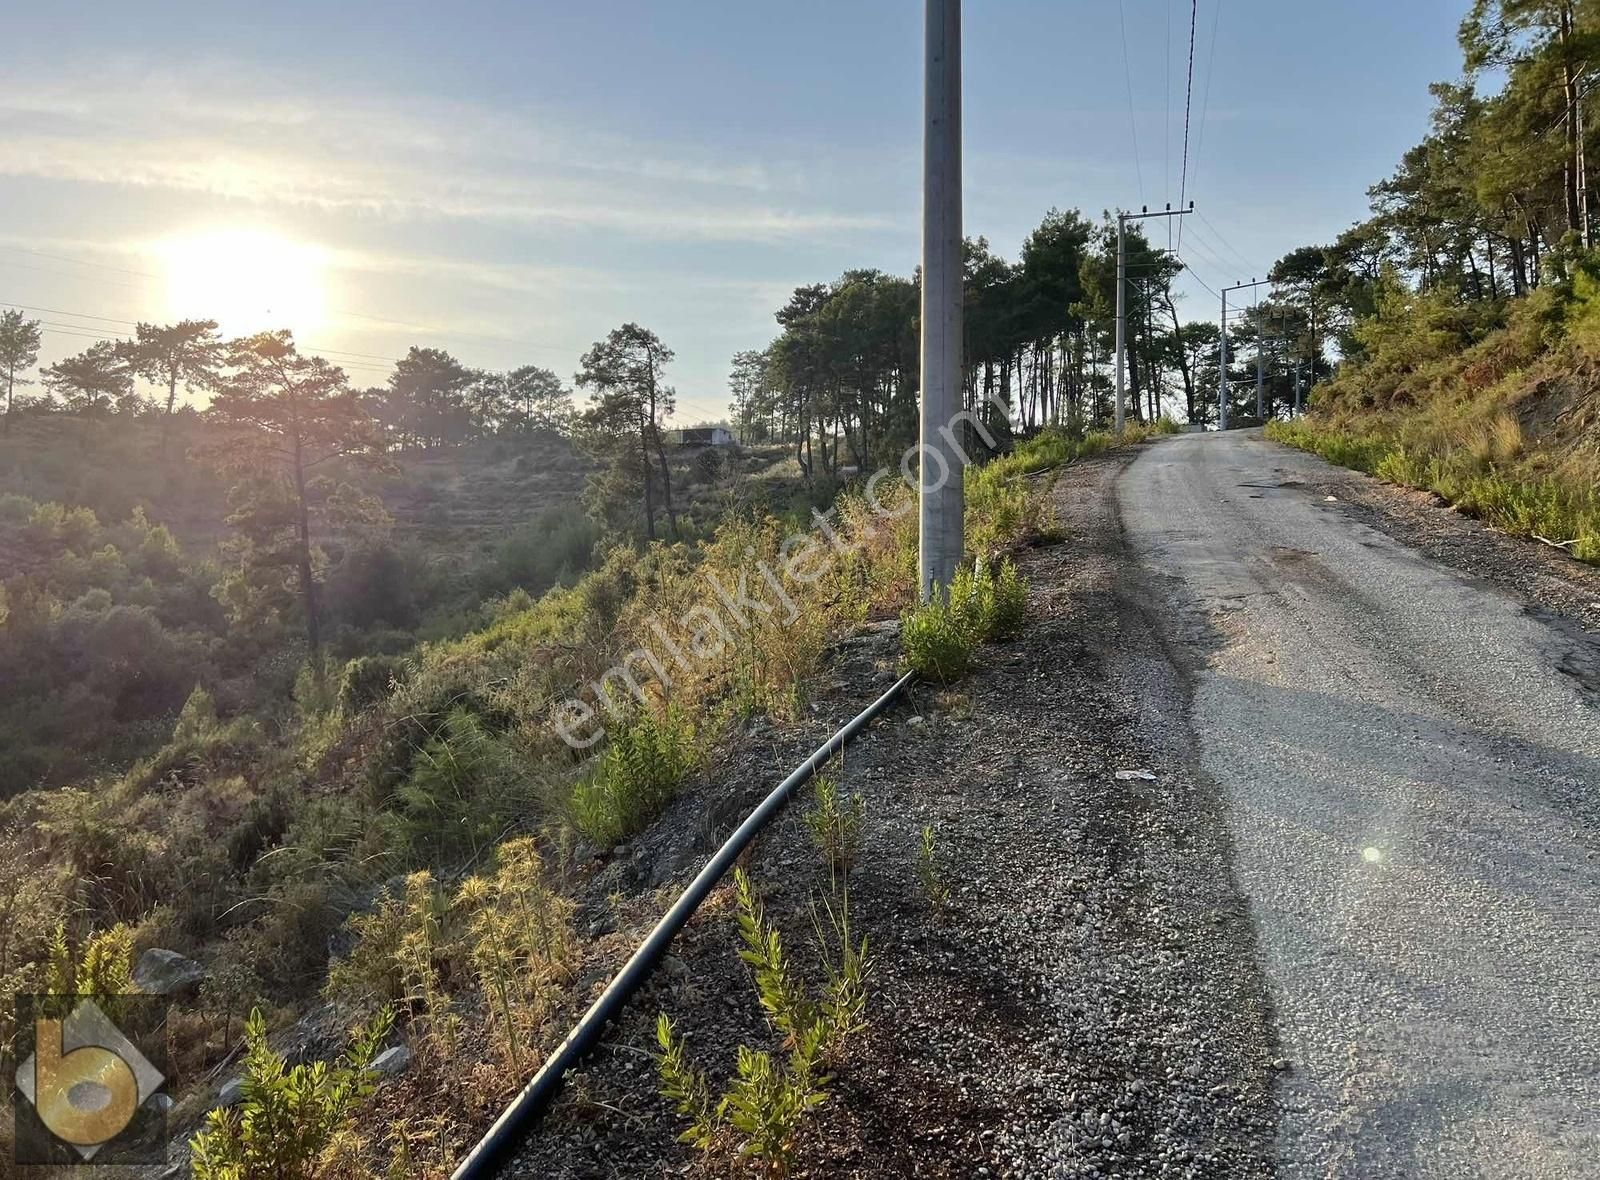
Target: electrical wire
pixel 1228 246
pixel 1127 77
pixel 1188 103
pixel 1166 126
pixel 79 315
pixel 1205 102
pixel 143 274
pixel 432 330
pixel 1198 244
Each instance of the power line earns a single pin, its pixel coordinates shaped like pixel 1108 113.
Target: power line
pixel 432 330
pixel 1195 275
pixel 63 274
pixel 334 352
pixel 1166 127
pixel 143 274
pixel 1205 102
pixel 1228 246
pixel 1127 77
pixel 1188 101
pixel 1198 243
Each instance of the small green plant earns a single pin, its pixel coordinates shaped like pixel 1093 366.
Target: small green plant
pixel 291 1120
pixel 939 638
pixel 844 1000
pixel 928 874
pixel 835 826
pixel 685 1086
pixel 1009 603
pixel 640 770
pixel 941 635
pixel 764 1109
pixel 103 965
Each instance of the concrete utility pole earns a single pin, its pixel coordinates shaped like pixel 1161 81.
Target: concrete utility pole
pixel 1122 295
pixel 940 544
pixel 1297 401
pixel 1222 368
pixel 1122 314
pixel 1222 380
pixel 1261 366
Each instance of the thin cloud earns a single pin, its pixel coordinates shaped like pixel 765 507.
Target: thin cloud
pixel 400 159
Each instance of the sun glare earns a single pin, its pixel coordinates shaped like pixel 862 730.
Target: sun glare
pixel 246 280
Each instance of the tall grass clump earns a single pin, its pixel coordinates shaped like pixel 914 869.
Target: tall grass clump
pixel 645 761
pixel 1518 501
pixel 942 635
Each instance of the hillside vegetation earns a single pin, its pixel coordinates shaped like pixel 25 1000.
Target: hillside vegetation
pixel 1466 309
pixel 1495 408
pixel 346 698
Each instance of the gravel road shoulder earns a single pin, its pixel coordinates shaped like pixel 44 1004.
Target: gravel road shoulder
pixel 1089 1003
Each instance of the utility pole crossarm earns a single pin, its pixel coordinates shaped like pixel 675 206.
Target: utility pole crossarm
pixel 1222 382
pixel 1122 297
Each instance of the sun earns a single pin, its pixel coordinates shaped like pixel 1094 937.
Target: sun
pixel 247 280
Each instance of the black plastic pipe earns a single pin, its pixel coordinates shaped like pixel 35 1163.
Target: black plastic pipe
pixel 525 1111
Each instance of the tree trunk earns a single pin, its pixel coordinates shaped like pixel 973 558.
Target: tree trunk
pixel 666 479
pixel 11 389
pixel 1184 369
pixel 649 481
pixel 308 585
pixel 172 398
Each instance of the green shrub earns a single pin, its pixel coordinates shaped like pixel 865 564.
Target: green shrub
pixel 290 1119
pixel 198 719
pixel 1010 603
pixel 941 635
pixel 768 1099
pixel 835 826
pixel 938 638
pixel 464 788
pixel 553 550
pixel 637 774
pixel 368 680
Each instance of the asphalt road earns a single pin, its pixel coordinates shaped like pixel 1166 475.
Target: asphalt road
pixel 1412 784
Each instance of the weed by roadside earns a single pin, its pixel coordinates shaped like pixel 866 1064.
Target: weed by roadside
pixel 929 875
pixel 835 826
pixel 762 1114
pixel 647 758
pixel 293 1122
pixel 942 635
pixel 1525 504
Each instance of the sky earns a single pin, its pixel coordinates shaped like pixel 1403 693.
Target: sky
pixel 511 180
